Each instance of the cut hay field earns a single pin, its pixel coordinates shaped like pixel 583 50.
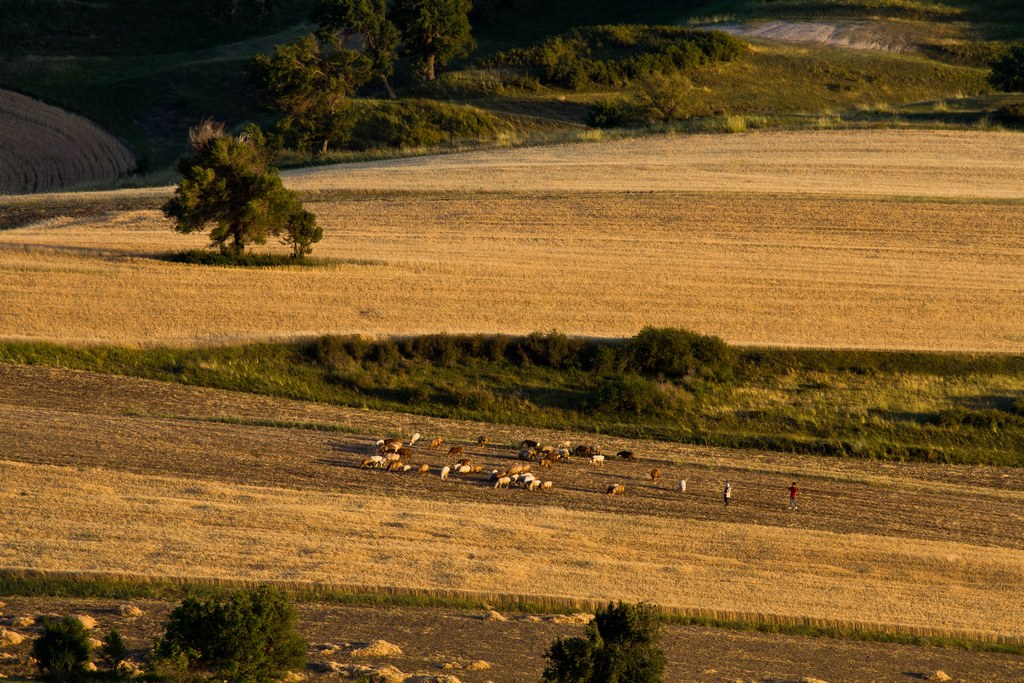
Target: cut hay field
pixel 927 548
pixel 44 148
pixel 876 239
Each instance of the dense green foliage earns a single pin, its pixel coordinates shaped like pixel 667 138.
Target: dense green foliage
pixel 310 84
pixel 114 649
pixel 242 636
pixel 411 123
pixel 615 55
pixel 231 184
pixel 1008 70
pixel 62 651
pixel 434 32
pixel 1011 115
pixel 621 646
pixel 935 407
pixel 368 20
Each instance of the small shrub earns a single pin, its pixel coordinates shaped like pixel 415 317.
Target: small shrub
pixel 621 644
pixel 63 650
pixel 676 353
pixel 1011 115
pixel 1008 70
pixel 615 114
pixel 630 394
pixel 246 636
pixel 114 649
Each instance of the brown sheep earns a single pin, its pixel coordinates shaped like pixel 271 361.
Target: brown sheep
pixel 476 468
pixel 388 445
pixel 627 455
pixel 616 489
pixel 481 441
pixel 547 450
pixel 527 454
pixel 545 462
pixel 394 465
pixel 424 469
pixel 530 443
pixel 404 452
pixel 655 474
pixel 456 450
pixel 436 443
pixel 367 463
pixel 466 461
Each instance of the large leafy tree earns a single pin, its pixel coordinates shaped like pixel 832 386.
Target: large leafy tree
pixel 230 185
pixel 434 32
pixel 368 20
pixel 245 636
pixel 1008 70
pixel 310 82
pixel 621 646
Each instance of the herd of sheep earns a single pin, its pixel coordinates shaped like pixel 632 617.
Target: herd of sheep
pixel 393 455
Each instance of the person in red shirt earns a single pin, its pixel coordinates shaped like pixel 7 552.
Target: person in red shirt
pixel 792 496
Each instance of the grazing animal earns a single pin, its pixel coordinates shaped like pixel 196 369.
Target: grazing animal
pixel 565 444
pixel 530 443
pixel 547 450
pixel 388 445
pixel 368 462
pixel 436 443
pixel 534 485
pixel 547 486
pixel 527 454
pixel 463 469
pixel 655 474
pixel 597 460
pixel 627 455
pixel 583 451
pixel 391 457
pixel 682 486
pixel 481 441
pixel 616 489
pixel 476 468
pixel 424 469
pixel 394 465
pixel 414 439
pixel 503 482
pixel 456 450
pixel 466 461
pixel 545 462
pixel 407 468
pixel 563 454
pixel 404 451
pixel 444 471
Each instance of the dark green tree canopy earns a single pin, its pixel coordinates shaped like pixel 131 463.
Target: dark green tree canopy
pixel 434 31
pixel 246 636
pixel 230 185
pixel 1008 71
pixel 621 646
pixel 310 82
pixel 63 650
pixel 368 20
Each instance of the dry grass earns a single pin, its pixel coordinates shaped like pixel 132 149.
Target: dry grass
pixel 43 148
pixel 754 269
pixel 99 520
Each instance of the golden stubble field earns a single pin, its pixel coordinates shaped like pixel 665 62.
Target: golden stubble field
pixel 95 479
pixel 873 239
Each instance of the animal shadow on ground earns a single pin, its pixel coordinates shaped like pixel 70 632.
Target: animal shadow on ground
pixel 335 462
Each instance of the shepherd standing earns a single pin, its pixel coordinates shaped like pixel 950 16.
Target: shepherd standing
pixel 727 493
pixel 792 496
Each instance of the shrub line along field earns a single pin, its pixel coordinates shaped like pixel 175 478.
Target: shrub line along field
pixel 869 545
pixel 935 268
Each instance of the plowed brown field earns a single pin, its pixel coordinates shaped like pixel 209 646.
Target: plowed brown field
pixel 43 148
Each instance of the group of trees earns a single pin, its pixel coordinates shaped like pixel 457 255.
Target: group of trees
pixel 308 82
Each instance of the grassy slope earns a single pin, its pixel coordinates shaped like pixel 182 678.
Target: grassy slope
pixel 148 83
pixel 895 406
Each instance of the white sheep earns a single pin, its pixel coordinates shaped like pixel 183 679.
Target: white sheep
pixel 565 445
pixel 547 486
pixel 444 471
pixel 682 486
pixel 533 485
pixel 597 460
pixel 376 460
pixel 464 469
pixel 406 468
pixel 503 483
pixel 393 456
pixel 414 439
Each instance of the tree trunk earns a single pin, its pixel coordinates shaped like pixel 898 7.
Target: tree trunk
pixel 387 86
pixel 428 68
pixel 323 146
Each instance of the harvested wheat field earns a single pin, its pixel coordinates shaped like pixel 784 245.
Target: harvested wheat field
pixel 754 269
pixel 926 548
pixel 43 148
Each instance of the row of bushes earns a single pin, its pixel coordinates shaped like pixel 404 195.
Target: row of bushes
pixel 377 124
pixel 615 55
pixel 654 352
